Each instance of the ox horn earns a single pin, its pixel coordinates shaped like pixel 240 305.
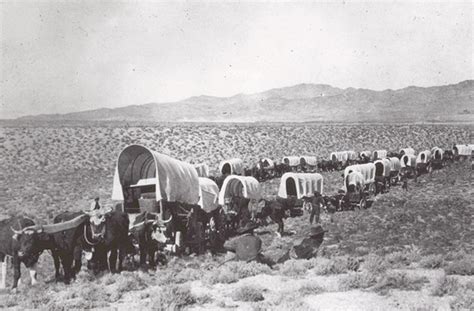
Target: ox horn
pixel 63 226
pixel 165 221
pixel 16 231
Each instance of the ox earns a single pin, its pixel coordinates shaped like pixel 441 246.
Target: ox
pixel 106 231
pixel 10 246
pixel 63 238
pixel 276 210
pixel 149 232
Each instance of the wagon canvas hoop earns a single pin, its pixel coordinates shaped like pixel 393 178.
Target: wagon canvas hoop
pixel 241 186
pixel 174 180
pixel 305 184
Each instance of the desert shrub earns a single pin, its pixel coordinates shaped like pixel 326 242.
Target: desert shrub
pixel 187 274
pixel 127 282
pixel 363 279
pixel 337 265
pixel 463 266
pixel 173 297
pixel 398 280
pixel 291 305
pixel 9 301
pixel 445 286
pixel 375 264
pixel 432 261
pixel 233 271
pixel 463 300
pixel 310 288
pixel 248 293
pixel 403 258
pixel 204 299
pixel 293 267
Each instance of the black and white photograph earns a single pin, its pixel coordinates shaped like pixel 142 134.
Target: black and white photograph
pixel 236 155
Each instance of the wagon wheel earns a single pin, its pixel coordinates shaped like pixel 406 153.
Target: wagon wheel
pixel 363 203
pixel 372 189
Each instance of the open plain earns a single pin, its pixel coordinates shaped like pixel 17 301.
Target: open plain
pixel 410 250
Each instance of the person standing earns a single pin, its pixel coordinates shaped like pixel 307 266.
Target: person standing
pixel 316 203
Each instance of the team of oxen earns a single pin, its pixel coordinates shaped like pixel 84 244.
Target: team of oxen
pixel 157 215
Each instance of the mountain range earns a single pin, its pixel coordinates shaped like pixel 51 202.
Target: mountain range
pixel 301 103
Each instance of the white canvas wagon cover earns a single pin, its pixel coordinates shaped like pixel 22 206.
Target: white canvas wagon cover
pixel 437 153
pixel 395 164
pixel 355 178
pixel 343 156
pixel 234 166
pixel 408 160
pixel 366 153
pixel 423 157
pixel 463 150
pixel 175 181
pixel 305 184
pixel 309 160
pixel 240 186
pixel 407 151
pixel 208 194
pixel 267 163
pixel 382 167
pixel 291 160
pixel 202 169
pixel 367 170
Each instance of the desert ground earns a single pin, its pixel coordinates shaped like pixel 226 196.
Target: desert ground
pixel 411 250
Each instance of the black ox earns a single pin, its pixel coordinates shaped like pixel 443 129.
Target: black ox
pixel 10 246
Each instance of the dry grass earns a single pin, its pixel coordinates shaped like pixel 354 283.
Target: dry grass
pixel 173 297
pixel 398 280
pixel 446 285
pixel 248 293
pixel 462 266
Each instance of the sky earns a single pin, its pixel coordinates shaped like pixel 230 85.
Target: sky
pixel 59 57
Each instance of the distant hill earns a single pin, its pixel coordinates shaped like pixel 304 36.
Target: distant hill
pixel 302 103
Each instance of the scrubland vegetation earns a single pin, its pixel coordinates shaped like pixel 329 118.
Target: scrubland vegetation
pixel 410 250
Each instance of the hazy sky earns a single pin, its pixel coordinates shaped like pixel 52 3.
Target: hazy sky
pixel 59 57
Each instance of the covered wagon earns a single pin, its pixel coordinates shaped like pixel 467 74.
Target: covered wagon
pixel 462 152
pixel 292 161
pixel 208 194
pixel 365 156
pixel 379 154
pixel 202 169
pixel 423 161
pixel 437 158
pixel 408 165
pixel 296 186
pixel 382 174
pixel 233 166
pixel 395 167
pixel 148 181
pixel 356 195
pixel 267 164
pixel 236 196
pixel 368 172
pixel 300 185
pixel 341 159
pixel 308 163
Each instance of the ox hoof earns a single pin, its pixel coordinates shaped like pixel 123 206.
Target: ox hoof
pixel 14 290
